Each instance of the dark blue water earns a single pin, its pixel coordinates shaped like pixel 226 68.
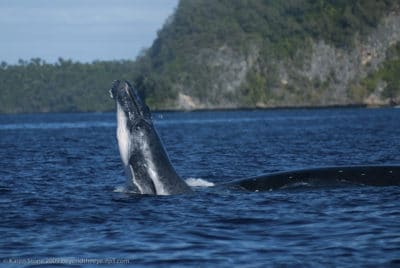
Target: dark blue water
pixel 60 175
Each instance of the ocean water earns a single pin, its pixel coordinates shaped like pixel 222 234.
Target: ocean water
pixel 61 197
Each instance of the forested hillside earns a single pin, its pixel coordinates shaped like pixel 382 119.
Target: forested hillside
pixel 67 86
pixel 232 54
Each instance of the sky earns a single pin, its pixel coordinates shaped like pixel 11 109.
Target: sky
pixel 81 30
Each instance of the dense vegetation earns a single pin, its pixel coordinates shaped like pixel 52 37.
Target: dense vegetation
pixel 66 86
pixel 180 61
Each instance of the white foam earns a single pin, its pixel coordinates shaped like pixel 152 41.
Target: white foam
pixel 121 189
pixel 125 190
pixel 193 182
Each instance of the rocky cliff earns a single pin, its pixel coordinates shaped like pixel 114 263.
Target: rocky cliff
pixel 231 54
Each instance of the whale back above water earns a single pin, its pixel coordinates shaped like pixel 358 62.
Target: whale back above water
pixel 149 170
pixel 323 177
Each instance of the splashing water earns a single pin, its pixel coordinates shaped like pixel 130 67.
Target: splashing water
pixel 197 182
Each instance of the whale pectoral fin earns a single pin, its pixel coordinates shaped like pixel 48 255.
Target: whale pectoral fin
pixel 140 176
pixel 131 185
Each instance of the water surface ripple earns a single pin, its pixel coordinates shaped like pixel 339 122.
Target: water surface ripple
pixel 59 174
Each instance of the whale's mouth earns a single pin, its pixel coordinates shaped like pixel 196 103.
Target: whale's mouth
pixel 123 90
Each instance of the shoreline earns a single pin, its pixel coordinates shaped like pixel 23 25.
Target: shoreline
pixel 272 108
pixel 245 108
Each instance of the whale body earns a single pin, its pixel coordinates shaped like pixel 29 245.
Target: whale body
pixel 149 170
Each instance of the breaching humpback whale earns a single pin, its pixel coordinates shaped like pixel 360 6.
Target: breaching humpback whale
pixel 149 170
pixel 147 166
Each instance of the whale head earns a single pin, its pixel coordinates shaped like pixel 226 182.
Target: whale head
pixel 131 111
pixel 129 102
pixel 132 114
